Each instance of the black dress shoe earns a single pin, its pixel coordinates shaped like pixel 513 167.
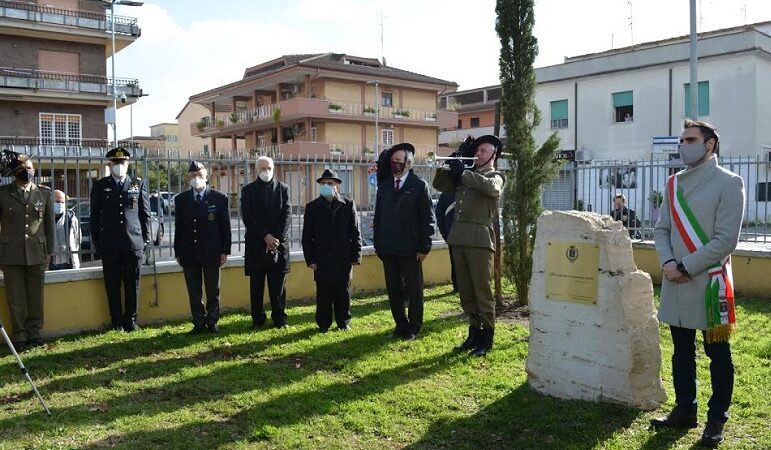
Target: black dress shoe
pixel 20 346
pixel 257 325
pixel 408 336
pixel 131 327
pixel 35 342
pixel 197 329
pixel 213 328
pixel 677 418
pixel 713 434
pixel 281 325
pixel 344 328
pixel 323 329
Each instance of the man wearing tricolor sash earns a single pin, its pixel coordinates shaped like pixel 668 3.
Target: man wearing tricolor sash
pixel 699 226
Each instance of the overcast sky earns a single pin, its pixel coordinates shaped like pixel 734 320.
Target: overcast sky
pixel 189 46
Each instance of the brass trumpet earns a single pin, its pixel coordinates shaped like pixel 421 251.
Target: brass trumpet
pixel 431 159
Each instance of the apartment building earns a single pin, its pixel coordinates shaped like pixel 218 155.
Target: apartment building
pixel 322 106
pixel 54 87
pixel 610 105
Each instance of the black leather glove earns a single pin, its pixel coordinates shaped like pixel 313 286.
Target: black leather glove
pixel 456 170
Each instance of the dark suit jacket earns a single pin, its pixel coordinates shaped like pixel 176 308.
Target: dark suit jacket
pixel 265 210
pixel 331 238
pixel 120 218
pixel 202 232
pixel 404 221
pixel 26 227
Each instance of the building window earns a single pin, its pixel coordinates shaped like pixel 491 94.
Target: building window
pixel 260 140
pixel 559 114
pixel 388 138
pixel 460 123
pixel 474 122
pixel 623 106
pixel 703 98
pixel 763 192
pixel 314 134
pixel 60 129
pixel 388 99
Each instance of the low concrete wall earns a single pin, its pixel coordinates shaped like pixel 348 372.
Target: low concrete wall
pixel 751 267
pixel 75 300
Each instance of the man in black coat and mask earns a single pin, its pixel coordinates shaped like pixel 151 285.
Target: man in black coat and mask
pixel 331 245
pixel 404 224
pixel 265 211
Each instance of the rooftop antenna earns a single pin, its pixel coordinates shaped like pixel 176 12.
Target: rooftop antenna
pixel 612 37
pixel 382 53
pixel 701 17
pixel 631 21
pixel 744 10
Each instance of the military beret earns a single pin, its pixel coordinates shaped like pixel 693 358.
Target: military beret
pixel 16 159
pixel 490 139
pixel 118 153
pixel 195 166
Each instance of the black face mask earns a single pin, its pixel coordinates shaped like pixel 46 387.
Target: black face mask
pixel 397 167
pixel 25 176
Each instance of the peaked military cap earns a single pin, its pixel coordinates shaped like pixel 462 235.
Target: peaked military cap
pixel 407 147
pixel 195 166
pixel 490 139
pixel 118 153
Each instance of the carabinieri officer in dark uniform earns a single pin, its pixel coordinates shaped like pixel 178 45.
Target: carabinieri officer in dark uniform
pixel 120 230
pixel 202 245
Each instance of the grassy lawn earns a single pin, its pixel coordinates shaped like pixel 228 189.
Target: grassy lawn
pixel 296 388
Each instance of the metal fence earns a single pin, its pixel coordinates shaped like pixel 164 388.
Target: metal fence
pixel 592 186
pixel 165 175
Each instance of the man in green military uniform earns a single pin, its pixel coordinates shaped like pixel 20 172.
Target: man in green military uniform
pixel 472 239
pixel 26 244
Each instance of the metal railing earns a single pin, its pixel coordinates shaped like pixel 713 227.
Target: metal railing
pixel 165 175
pixel 73 18
pixel 592 187
pixel 12 77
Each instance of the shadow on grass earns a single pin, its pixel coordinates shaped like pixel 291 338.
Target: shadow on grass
pixel 251 371
pixel 525 419
pixel 261 421
pixel 54 362
pixel 755 305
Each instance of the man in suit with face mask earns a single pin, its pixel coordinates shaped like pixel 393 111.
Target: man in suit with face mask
pixel 120 230
pixel 265 211
pixel 202 245
pixel 26 245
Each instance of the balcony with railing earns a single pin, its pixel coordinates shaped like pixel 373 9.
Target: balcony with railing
pixel 66 82
pixel 61 147
pixel 84 20
pixel 299 107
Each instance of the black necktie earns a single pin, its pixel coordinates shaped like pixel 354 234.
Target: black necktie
pixel 197 199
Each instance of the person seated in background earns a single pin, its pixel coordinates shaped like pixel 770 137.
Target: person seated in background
pixel 625 215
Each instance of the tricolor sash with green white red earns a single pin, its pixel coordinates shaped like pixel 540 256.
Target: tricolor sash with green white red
pixel 719 297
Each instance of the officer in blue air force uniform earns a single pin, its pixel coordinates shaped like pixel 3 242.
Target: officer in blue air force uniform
pixel 202 245
pixel 120 231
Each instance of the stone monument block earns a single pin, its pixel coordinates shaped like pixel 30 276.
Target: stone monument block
pixel 594 334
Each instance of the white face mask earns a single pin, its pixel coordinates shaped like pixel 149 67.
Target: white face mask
pixel 197 183
pixel 59 208
pixel 120 170
pixel 266 176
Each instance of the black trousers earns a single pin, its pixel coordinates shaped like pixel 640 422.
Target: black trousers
pixel 122 267
pixel 406 271
pixel 276 293
pixel 195 275
pixel 333 298
pixel 721 370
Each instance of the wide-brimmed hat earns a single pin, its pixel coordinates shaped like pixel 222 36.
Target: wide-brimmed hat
pixel 328 175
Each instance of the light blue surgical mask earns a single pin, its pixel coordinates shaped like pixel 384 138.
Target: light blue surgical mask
pixel 326 190
pixel 59 208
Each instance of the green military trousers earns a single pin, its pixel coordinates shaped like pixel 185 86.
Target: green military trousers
pixel 24 293
pixel 474 271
